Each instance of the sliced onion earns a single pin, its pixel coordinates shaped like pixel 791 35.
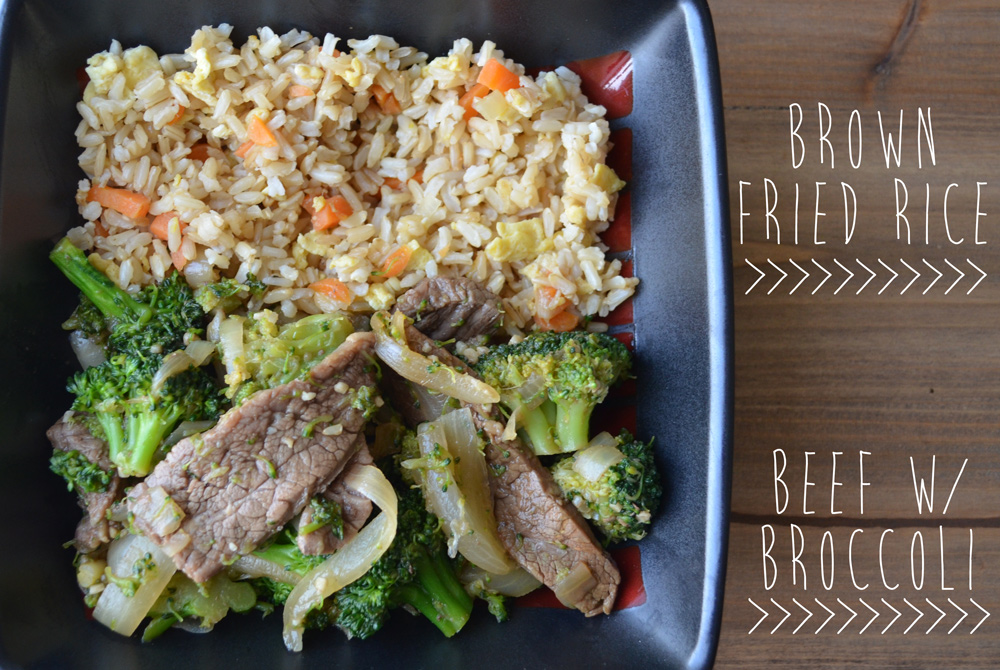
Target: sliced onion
pixel 572 588
pixel 174 363
pixel 459 491
pixel 591 463
pixel 530 393
pixel 88 352
pixel 254 566
pixel 186 429
pixel 349 562
pixel 200 351
pixel 231 342
pixel 603 438
pixel 116 610
pixel 516 583
pixel 421 370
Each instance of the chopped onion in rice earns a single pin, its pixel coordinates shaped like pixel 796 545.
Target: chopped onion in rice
pixel 349 562
pixel 115 609
pixel 420 369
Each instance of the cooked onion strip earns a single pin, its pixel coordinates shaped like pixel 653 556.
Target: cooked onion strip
pixel 349 562
pixel 455 480
pixel 88 351
pixel 420 369
pixel 516 583
pixel 254 566
pixel 591 463
pixel 115 609
pixel 572 588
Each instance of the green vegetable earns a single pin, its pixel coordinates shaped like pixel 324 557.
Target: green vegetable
pixel 415 571
pixel 205 603
pixel 325 512
pixel 80 474
pixel 228 294
pixel 118 399
pixel 273 356
pixel 553 381
pixel 621 503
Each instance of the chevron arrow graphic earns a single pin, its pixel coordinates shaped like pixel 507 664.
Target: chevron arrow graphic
pixel 938 620
pixel 915 620
pixel 783 275
pixel 787 614
pixel 805 276
pixel 828 275
pixel 978 280
pixel 756 282
pixel 873 610
pixel 939 275
pixel 894 275
pixel 964 614
pixel 960 275
pixel 764 611
pixel 916 275
pixel 898 614
pixel 804 620
pixel 849 275
pixel 853 614
pixel 827 619
pixel 981 620
pixel 869 279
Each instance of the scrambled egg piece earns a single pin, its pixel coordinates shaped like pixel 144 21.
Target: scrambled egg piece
pixel 197 82
pixel 379 297
pixel 606 179
pixel 518 241
pixel 136 64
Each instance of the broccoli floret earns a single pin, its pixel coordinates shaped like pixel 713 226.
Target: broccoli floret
pixel 415 571
pixel 205 603
pixel 228 294
pixel 621 503
pixel 80 474
pixel 272 356
pixel 88 319
pixel 123 402
pixel 553 381
pixel 284 551
pixel 121 406
pixel 325 512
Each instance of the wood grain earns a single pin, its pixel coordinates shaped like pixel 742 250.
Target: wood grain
pixel 897 376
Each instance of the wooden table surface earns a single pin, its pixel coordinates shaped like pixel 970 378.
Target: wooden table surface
pixel 907 373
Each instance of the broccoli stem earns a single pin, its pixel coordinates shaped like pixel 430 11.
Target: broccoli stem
pixel 145 431
pixel 437 594
pixel 573 424
pixel 537 424
pixel 111 300
pixel 111 424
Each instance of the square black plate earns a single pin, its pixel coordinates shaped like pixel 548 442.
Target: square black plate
pixel 683 328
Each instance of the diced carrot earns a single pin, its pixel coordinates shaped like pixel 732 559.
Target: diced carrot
pixel 393 183
pixel 336 53
pixel 177 116
pixel 199 152
pixel 160 225
pixel 178 258
pixel 418 176
pixel 561 322
pixel 131 204
pixel 340 206
pixel 334 289
pixel 260 134
pixel 396 262
pixel 548 300
pixel 244 148
pixel 100 230
pixel 386 100
pixel 325 217
pixel 299 91
pixel 477 91
pixel 497 77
